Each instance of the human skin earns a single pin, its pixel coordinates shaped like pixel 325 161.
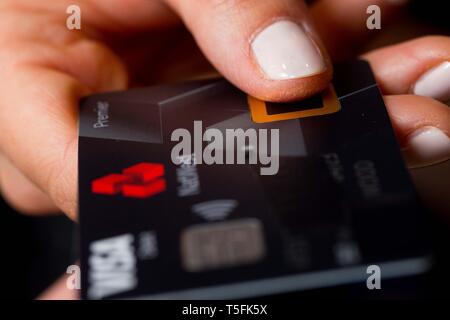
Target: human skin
pixel 47 68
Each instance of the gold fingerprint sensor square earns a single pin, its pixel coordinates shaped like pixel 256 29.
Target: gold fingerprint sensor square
pixel 317 105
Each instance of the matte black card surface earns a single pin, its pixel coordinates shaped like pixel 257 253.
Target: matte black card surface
pixel 339 201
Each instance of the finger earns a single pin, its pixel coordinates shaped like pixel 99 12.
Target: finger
pixel 44 146
pixel 133 29
pixel 342 24
pixel 22 194
pixel 422 126
pixel 267 48
pixel 59 291
pixel 420 66
pixel 45 150
pixel 429 179
pixel 110 16
pixel 39 103
pixel 131 15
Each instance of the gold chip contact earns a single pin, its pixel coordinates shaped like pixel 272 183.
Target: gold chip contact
pixel 222 244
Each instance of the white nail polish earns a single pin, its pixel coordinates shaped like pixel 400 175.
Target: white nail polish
pixel 435 83
pixel 427 146
pixel 283 50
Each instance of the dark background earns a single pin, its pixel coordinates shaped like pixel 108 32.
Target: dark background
pixel 37 250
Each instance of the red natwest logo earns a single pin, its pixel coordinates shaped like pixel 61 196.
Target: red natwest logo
pixel 142 180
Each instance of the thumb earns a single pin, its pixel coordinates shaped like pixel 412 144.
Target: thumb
pixel 267 48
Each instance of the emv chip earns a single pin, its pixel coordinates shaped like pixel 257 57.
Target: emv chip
pixel 222 244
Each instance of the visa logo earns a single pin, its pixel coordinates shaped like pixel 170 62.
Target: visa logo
pixel 112 266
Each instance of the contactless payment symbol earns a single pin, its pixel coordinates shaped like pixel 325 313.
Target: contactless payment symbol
pixel 142 180
pixel 320 104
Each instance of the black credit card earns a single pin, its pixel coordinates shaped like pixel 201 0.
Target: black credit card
pixel 334 198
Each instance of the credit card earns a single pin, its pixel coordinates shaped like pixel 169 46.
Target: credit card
pixel 155 225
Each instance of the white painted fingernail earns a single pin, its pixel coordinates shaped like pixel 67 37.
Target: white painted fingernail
pixel 284 50
pixel 435 83
pixel 427 146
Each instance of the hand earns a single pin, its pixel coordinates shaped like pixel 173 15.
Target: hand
pixel 49 68
pixel 398 68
